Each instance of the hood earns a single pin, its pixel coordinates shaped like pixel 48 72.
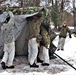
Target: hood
pixel 3 17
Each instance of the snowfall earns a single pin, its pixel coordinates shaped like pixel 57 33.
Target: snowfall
pixel 57 66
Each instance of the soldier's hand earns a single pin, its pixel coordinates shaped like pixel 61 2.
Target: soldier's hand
pixel 38 44
pixel 70 36
pixel 46 46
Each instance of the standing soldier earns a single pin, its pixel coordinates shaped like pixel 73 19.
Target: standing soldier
pixel 45 42
pixel 9 44
pixel 34 30
pixel 62 36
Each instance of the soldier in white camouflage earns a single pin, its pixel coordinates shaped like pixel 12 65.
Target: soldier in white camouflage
pixel 9 44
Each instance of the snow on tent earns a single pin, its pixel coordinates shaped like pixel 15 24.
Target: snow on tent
pixel 21 34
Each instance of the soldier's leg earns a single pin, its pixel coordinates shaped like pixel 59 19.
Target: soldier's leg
pixel 29 51
pixel 59 43
pixel 63 42
pixel 34 52
pixel 11 55
pixel 52 50
pixel 53 47
pixel 41 53
pixel 5 57
pixel 45 56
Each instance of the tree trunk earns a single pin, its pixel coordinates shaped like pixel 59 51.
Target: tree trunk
pixel 21 3
pixel 56 2
pixel 52 3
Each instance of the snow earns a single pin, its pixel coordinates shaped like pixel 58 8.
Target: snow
pixel 70 72
pixel 12 3
pixel 69 48
pixel 71 27
pixel 57 66
pixel 69 54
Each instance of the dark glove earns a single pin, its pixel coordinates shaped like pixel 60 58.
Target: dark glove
pixel 70 36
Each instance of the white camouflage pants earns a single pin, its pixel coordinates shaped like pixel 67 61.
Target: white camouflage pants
pixel 61 43
pixel 9 53
pixel 44 54
pixel 32 50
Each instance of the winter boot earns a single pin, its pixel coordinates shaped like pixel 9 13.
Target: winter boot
pixel 34 65
pixel 3 65
pixel 10 67
pixel 62 49
pixel 45 64
pixel 38 60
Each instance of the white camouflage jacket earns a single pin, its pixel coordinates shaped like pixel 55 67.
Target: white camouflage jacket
pixel 8 29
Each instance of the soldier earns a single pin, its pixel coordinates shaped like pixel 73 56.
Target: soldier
pixel 63 33
pixel 9 44
pixel 52 48
pixel 34 30
pixel 45 43
pixel 43 56
pixel 47 33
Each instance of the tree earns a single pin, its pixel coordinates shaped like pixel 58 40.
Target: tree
pixel 30 2
pixel 55 15
pixel 74 13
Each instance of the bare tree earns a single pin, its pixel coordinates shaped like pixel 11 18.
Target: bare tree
pixel 30 2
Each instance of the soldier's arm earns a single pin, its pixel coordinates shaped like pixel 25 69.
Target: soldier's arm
pixel 11 21
pixel 69 31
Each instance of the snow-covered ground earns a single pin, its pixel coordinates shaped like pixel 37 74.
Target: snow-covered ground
pixel 57 66
pixel 69 54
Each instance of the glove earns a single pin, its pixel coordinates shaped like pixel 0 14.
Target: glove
pixel 47 46
pixel 70 36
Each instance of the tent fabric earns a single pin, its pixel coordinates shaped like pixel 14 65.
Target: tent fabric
pixel 21 35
